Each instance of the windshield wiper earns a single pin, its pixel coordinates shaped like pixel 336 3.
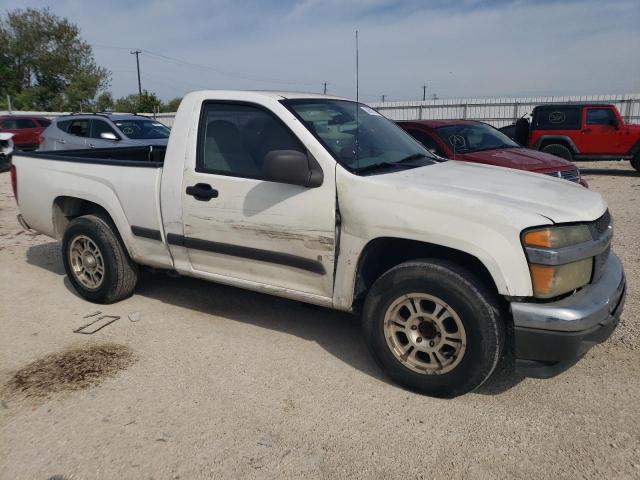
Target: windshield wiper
pixel 402 163
pixel 413 156
pixel 377 166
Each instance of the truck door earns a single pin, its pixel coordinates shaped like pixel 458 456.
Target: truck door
pixel 239 225
pixel 600 133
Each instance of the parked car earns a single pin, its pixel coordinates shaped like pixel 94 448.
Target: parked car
pixel 26 130
pixel 6 149
pixel 323 200
pixel 102 130
pixel 473 141
pixel 579 132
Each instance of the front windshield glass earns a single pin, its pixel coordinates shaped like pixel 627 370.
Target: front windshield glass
pixel 357 136
pixel 467 138
pixel 142 129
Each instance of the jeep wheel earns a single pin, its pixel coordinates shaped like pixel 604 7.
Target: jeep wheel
pixel 96 262
pixel 559 151
pixel 433 327
pixel 635 162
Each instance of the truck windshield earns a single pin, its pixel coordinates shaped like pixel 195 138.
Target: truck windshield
pixel 358 137
pixel 467 138
pixel 142 129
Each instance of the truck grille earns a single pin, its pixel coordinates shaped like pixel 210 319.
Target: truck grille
pixel 598 227
pixel 572 175
pixel 602 223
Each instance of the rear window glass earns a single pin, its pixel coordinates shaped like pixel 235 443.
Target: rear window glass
pixel 559 118
pixel 44 122
pixel 18 123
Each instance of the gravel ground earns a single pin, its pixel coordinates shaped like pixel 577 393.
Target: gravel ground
pixel 234 384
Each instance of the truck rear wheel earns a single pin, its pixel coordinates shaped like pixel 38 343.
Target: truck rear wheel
pixel 559 151
pixel 96 262
pixel 433 327
pixel 635 162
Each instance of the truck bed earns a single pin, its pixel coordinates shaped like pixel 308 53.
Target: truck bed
pixel 145 156
pixel 124 181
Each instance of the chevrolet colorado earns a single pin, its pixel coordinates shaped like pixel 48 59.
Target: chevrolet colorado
pixel 451 265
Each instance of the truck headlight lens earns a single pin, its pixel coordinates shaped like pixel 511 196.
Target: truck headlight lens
pixel 557 237
pixel 552 280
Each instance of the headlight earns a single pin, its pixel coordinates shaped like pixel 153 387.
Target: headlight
pixel 557 237
pixel 551 280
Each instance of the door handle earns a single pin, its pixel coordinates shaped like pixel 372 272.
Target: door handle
pixel 202 192
pixel 91 145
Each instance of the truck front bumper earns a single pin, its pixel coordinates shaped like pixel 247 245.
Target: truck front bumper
pixel 550 337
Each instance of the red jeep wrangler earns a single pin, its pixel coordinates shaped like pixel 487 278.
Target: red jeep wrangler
pixel 581 132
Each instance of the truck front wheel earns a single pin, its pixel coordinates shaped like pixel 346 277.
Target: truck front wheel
pixel 635 161
pixel 559 151
pixel 434 327
pixel 96 262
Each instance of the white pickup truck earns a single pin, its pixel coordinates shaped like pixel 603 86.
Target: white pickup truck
pixel 451 265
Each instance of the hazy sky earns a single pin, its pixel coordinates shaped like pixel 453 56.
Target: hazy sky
pixel 460 49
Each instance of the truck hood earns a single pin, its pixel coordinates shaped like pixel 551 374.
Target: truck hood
pixel 515 191
pixel 519 158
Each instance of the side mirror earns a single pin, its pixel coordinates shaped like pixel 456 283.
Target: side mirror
pixel 109 136
pixel 292 167
pixel 614 123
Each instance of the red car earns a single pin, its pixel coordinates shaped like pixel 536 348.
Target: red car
pixel 581 132
pixel 26 130
pixel 473 141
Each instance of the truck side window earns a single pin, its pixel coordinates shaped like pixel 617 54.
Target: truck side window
pixel 79 128
pixel 235 138
pixel 600 116
pixel 557 118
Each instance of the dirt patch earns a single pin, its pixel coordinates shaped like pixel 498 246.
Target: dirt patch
pixel 72 369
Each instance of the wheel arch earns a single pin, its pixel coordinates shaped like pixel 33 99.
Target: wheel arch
pixel 564 140
pixel 384 253
pixel 65 208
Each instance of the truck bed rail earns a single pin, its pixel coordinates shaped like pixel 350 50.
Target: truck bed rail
pixel 149 156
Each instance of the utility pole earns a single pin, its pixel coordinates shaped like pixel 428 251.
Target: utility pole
pixel 434 96
pixel 383 97
pixel 424 92
pixel 137 53
pixel 9 104
pixel 325 88
pixel 357 73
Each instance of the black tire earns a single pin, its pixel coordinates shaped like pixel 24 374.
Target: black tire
pixel 120 272
pixel 635 162
pixel 559 151
pixel 476 306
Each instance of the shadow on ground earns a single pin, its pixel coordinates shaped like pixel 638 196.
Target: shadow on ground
pixel 337 332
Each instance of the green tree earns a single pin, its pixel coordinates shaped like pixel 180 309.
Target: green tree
pixel 147 103
pixel 173 104
pixel 104 102
pixel 45 64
